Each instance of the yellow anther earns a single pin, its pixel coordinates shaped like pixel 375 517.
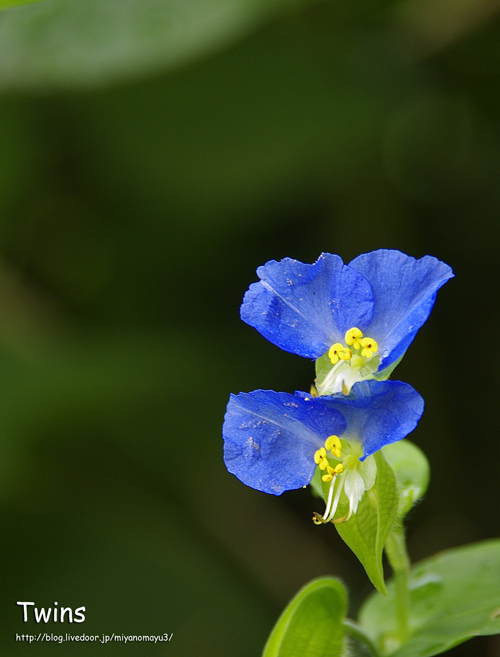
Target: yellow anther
pixel 352 337
pixel 320 458
pixel 323 464
pixel 337 351
pixel 330 442
pixel 332 472
pixel 317 519
pixel 369 347
pixel 319 455
pixel 333 443
pixel 313 392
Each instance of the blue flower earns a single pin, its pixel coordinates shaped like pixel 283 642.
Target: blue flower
pixel 273 441
pixel 358 319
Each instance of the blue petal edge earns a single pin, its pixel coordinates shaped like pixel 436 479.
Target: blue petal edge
pixel 404 291
pixel 304 308
pixel 377 412
pixel 270 438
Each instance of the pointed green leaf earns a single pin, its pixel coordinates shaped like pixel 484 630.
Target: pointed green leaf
pixel 311 625
pixel 454 596
pixel 366 532
pixel 412 472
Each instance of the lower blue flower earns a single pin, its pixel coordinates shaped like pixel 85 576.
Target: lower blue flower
pixel 270 438
pixel 273 441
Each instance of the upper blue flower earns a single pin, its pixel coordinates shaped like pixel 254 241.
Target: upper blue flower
pixel 273 440
pixel 331 308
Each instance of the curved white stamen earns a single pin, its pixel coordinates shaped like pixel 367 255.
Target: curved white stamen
pixel 335 501
pixel 329 501
pixel 351 505
pixel 344 374
pixel 327 386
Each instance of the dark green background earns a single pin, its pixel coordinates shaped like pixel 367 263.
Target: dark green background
pixel 136 201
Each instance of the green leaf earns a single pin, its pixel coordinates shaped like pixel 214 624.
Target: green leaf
pixel 412 472
pixel 366 532
pixel 70 42
pixel 311 625
pixel 453 596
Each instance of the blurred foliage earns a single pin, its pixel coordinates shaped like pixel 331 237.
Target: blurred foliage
pixel 69 42
pixel 152 155
pixel 12 3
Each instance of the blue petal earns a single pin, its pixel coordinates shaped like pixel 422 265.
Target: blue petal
pixel 378 412
pixel 305 308
pixel 404 291
pixel 270 438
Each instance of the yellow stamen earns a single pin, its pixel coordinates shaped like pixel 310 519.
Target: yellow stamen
pixel 319 454
pixel 336 447
pixel 330 442
pixel 352 337
pixel 369 347
pixel 332 472
pixel 337 351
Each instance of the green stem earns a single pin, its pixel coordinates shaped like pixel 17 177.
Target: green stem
pixel 355 630
pixel 397 555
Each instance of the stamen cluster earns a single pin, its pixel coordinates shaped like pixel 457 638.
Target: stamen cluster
pixel 353 337
pixel 334 446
